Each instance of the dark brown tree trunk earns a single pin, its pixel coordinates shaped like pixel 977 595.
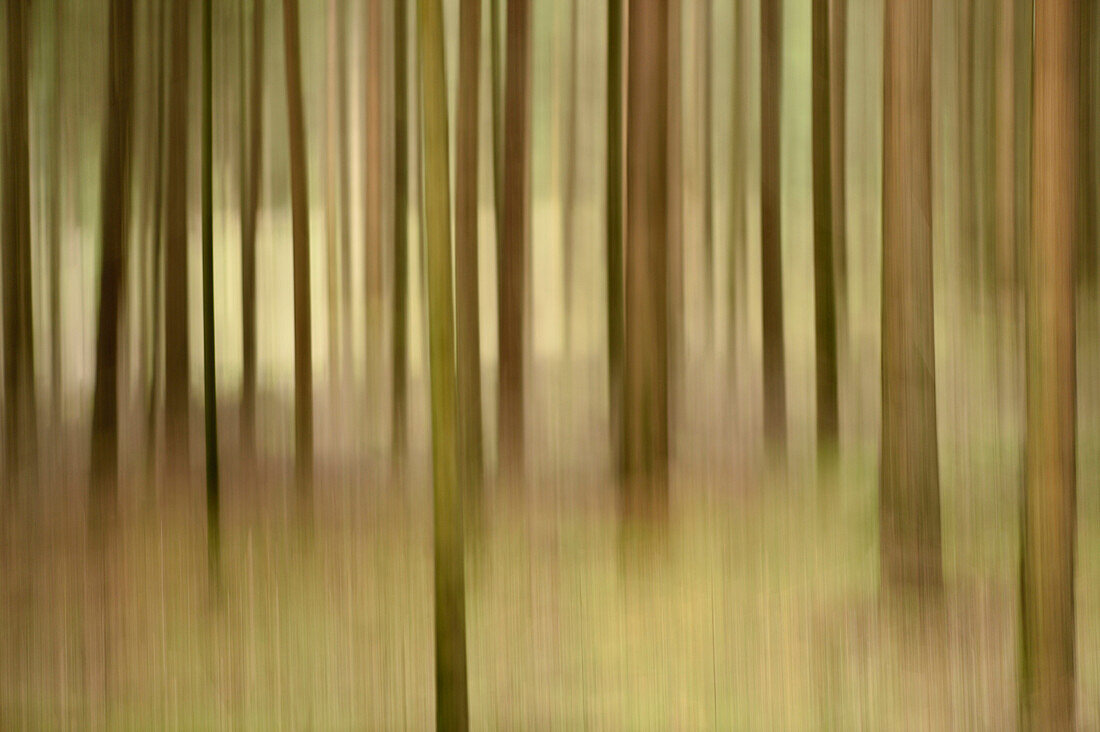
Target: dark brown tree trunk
pixel 450 597
pixel 909 497
pixel 615 322
pixel 511 266
pixel 177 378
pixel 299 204
pixel 400 228
pixel 20 422
pixel 771 255
pixel 468 333
pixel 1088 264
pixel 677 358
pixel 1049 526
pixel 248 232
pixel 825 336
pixel 645 411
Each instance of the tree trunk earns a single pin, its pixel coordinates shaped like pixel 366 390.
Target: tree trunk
pixel 511 267
pixel 372 189
pixel 344 137
pixel 332 184
pixel 20 423
pixel 1089 241
pixel 55 213
pixel 825 337
pixel 1049 522
pixel 248 233
pixel 705 20
pixel 645 414
pixel 400 228
pixel 738 182
pixel 771 255
pixel 177 378
pixel 968 200
pixel 838 104
pixel 496 80
pixel 115 193
pixel 677 358
pixel 569 182
pixel 450 600
pixel 210 395
pixel 909 499
pixel 466 238
pixel 299 204
pixel 1004 119
pixel 615 322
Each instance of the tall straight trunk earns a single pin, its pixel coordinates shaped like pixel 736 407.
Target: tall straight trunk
pixel 299 208
pixel 909 492
pixel 676 324
pixel 496 93
pixel 55 194
pixel 115 191
pixel 511 266
pixel 771 254
pixel 615 322
pixel 332 184
pixel 705 20
pixel 1049 525
pixel 20 423
pixel 343 111
pixel 450 596
pixel 569 179
pixel 985 135
pixel 210 395
pixel 372 189
pixel 738 180
pixel 248 232
pixel 1005 219
pixel 968 200
pixel 825 338
pixel 645 411
pixel 400 227
pixel 1089 241
pixel 838 104
pixel 177 371
pixel 468 333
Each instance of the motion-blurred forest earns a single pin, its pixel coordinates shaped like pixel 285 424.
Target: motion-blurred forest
pixel 550 364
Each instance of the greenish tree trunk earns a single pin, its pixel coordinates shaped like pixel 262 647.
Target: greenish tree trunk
pixel 299 205
pixel 645 412
pixel 1049 520
pixel 450 600
pixel 615 322
pixel 248 232
pixel 400 228
pixel 909 492
pixel 771 255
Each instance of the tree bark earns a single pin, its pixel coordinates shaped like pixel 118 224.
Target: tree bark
pixel 909 498
pixel 450 601
pixel 738 181
pixel 332 185
pixel 248 233
pixel 400 228
pixel 615 321
pixel 677 357
pixel 705 20
pixel 511 266
pixel 838 104
pixel 645 414
pixel 1088 265
pixel 299 204
pixel 569 182
pixel 1049 522
pixel 771 255
pixel 372 189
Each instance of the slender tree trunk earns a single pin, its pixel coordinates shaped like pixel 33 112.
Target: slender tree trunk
pixel 497 101
pixel 825 337
pixel 332 183
pixel 705 20
pixel 400 228
pixel 344 137
pixel 968 200
pixel 511 267
pixel 248 233
pixel 1005 220
pixel 615 321
pixel 466 261
pixel 569 180
pixel 372 205
pixel 177 378
pixel 738 180
pixel 55 215
pixel 210 395
pixel 450 599
pixel 1049 526
pixel 677 359
pixel 909 498
pixel 1088 265
pixel 771 256
pixel 838 104
pixel 645 426
pixel 113 222
pixel 299 204
pixel 20 423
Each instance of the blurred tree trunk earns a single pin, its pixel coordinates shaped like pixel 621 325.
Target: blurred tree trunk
pixel 496 74
pixel 55 153
pixel 1049 526
pixel 909 497
pixel 738 180
pixel 705 20
pixel 20 422
pixel 299 204
pixel 115 192
pixel 985 136
pixel 825 336
pixel 645 413
pixel 344 137
pixel 968 200
pixel 677 359
pixel 771 254
pixel 248 232
pixel 372 205
pixel 1089 241
pixel 210 395
pixel 838 103
pixel 511 267
pixel 569 176
pixel 615 322
pixel 1005 244
pixel 332 183
pixel 450 598
pixel 177 378
pixel 468 335
pixel 400 228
